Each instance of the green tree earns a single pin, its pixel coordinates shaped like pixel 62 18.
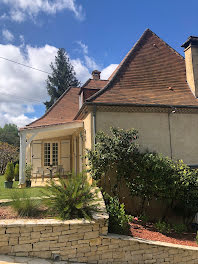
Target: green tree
pixel 62 77
pixel 9 173
pixel 9 134
pixel 8 153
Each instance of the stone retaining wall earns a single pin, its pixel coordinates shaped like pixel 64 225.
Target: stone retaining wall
pixel 86 242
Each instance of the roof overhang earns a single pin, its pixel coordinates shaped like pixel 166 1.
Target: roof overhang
pixel 69 126
pixel 87 106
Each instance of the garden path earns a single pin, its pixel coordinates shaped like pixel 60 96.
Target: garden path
pixel 26 260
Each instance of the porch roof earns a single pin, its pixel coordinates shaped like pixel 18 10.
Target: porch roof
pixel 52 131
pixel 62 111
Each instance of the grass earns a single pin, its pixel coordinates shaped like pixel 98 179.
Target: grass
pixel 7 193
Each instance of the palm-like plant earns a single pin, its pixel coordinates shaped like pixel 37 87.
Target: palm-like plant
pixel 72 198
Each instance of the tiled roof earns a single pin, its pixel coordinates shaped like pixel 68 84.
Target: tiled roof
pixel 151 73
pixel 94 84
pixel 63 111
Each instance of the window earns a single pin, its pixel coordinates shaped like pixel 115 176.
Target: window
pixel 51 154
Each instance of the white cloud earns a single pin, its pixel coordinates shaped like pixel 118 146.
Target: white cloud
pixel 22 88
pixel 20 10
pixel 91 64
pixel 7 35
pixel 106 72
pixel 83 46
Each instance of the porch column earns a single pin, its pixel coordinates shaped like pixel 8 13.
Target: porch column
pixel 22 159
pixel 80 152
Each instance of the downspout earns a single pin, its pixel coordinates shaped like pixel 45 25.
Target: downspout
pixel 94 125
pixel 169 128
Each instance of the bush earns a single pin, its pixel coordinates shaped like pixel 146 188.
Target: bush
pixel 147 175
pixel 118 219
pixel 9 172
pixel 16 172
pixel 163 227
pixel 72 198
pixel 24 205
pixel 179 228
pixel 28 172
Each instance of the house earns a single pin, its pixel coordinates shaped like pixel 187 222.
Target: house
pixel 154 89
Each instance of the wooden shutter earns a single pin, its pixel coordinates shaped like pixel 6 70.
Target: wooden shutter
pixel 65 154
pixel 36 155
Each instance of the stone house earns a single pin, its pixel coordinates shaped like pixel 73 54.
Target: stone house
pixel 154 90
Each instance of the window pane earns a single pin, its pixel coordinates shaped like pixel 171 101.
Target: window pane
pixel 55 154
pixel 46 154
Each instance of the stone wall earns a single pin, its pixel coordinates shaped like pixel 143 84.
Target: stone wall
pixel 84 241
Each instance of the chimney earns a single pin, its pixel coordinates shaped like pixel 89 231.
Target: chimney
pixel 96 75
pixel 191 60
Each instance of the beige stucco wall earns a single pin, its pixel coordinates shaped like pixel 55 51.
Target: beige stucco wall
pixel 88 131
pixel 154 131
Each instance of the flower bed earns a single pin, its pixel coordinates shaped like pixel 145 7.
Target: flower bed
pixel 149 232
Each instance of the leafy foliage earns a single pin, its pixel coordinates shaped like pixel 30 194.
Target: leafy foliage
pixel 9 172
pixel 113 152
pixel 179 228
pixel 72 198
pixel 24 205
pixel 147 175
pixel 16 172
pixel 28 172
pixel 9 134
pixel 62 77
pixel 118 219
pixel 8 153
pixel 163 227
pixel 152 175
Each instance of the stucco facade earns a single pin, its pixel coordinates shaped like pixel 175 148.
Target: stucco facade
pixel 168 133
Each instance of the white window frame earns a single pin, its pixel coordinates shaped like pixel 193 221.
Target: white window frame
pixel 51 153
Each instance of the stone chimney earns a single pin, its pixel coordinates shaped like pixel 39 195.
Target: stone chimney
pixel 191 59
pixel 96 75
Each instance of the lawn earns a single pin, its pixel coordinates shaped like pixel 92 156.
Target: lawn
pixel 6 193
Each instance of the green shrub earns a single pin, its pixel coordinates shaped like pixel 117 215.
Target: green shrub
pixel 147 175
pixel 24 205
pixel 144 218
pixel 72 198
pixel 163 227
pixel 9 172
pixel 16 172
pixel 118 219
pixel 28 172
pixel 179 228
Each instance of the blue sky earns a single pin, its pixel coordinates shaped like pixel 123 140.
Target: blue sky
pixel 95 34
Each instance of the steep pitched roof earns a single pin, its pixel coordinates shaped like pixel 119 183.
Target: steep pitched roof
pixel 63 111
pixel 151 73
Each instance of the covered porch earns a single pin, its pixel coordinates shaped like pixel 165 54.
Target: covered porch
pixel 52 151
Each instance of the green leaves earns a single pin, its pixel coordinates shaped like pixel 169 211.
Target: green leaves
pixel 62 77
pixel 9 172
pixel 116 159
pixel 118 219
pixel 72 198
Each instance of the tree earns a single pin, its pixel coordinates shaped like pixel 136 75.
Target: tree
pixel 9 134
pixel 62 77
pixel 8 153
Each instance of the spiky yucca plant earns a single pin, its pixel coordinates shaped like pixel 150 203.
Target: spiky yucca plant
pixel 72 198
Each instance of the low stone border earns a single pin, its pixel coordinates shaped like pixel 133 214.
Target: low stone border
pixel 86 242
